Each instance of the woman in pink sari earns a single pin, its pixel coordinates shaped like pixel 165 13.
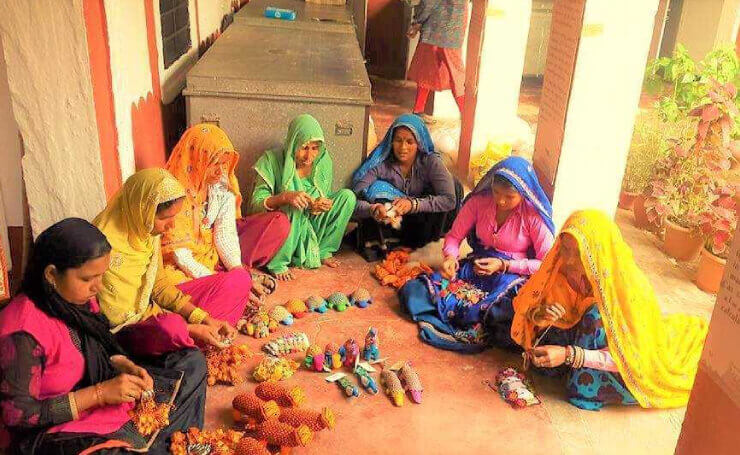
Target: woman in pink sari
pixel 149 312
pixel 67 385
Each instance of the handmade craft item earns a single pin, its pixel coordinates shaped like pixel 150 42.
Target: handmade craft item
pixel 283 435
pixel 224 365
pixel 317 304
pixel 252 410
pixel 338 302
pixel 212 442
pixel 362 371
pixel 515 389
pixel 149 416
pixel 297 308
pixel 396 270
pixel 392 218
pixel 392 386
pixel 258 325
pixel 371 351
pixel 274 369
pixel 314 420
pixel 281 314
pixel 347 387
pixel 361 297
pixel 251 446
pixel 287 344
pixel 278 393
pixel 411 382
pixel 349 352
pixel 314 358
pixel 332 358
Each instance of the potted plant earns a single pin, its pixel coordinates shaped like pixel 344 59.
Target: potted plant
pixel 686 180
pixel 718 224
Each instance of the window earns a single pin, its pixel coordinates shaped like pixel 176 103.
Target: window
pixel 175 21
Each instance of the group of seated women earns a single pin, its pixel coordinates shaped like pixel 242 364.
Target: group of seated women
pixel 117 309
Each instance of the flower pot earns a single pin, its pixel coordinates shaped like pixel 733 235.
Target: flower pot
pixel 710 271
pixel 681 243
pixel 626 199
pixel 642 220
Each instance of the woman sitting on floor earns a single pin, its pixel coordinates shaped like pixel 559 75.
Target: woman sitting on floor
pixel 607 328
pixel 297 180
pixel 149 312
pixel 209 234
pixel 405 170
pixel 67 386
pixel 507 221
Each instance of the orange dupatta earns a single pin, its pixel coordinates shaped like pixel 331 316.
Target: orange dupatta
pixel 657 355
pixel 199 148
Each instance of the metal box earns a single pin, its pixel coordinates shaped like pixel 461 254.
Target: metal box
pixel 254 80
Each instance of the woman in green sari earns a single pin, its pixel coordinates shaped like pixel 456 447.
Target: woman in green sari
pixel 297 180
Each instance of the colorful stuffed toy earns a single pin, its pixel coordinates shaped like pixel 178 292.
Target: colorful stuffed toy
pixel 281 314
pixel 251 446
pixel 224 365
pixel 283 435
pixel 314 358
pixel 366 380
pixel 515 389
pixel 252 410
pixel 392 386
pixel 274 369
pixel 314 420
pixel 297 308
pixel 271 390
pixel 371 351
pixel 259 325
pixel 287 344
pixel 347 387
pixel 338 302
pixel 317 304
pixel 349 352
pixel 332 358
pixel 411 382
pixel 361 297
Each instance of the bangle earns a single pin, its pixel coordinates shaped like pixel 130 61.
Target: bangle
pixel 505 265
pixel 579 357
pixel 73 406
pixel 264 204
pixel 99 395
pixel 571 355
pixel 197 316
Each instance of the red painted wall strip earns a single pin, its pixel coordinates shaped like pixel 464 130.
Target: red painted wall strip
pixel 96 27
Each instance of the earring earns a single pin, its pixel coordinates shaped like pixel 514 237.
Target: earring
pixel 54 285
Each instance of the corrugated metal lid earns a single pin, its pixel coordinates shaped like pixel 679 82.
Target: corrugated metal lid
pixel 261 62
pixel 329 18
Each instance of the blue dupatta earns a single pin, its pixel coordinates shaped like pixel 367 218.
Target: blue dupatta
pixel 446 323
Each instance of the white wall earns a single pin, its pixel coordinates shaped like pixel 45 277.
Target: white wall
pixel 11 177
pixel 49 80
pixel 705 24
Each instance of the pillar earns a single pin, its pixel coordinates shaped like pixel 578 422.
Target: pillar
pixel 593 79
pixel 706 24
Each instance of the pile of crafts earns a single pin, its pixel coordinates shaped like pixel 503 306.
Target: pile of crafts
pixel 396 269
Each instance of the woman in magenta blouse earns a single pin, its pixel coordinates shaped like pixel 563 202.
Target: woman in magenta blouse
pixel 507 220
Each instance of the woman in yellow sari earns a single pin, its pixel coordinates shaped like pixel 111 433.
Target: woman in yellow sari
pixel 209 235
pixel 149 313
pixel 597 315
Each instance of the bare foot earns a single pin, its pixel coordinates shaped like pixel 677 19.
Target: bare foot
pixel 331 262
pixel 285 276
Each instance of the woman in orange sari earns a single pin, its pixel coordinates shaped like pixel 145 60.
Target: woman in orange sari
pixel 209 236
pixel 591 311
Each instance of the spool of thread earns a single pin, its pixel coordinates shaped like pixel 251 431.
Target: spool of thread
pixel 280 13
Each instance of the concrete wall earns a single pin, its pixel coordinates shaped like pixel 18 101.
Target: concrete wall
pixel 705 24
pixel 49 81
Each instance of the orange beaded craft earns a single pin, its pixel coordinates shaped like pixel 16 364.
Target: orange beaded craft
pixel 149 416
pixel 225 365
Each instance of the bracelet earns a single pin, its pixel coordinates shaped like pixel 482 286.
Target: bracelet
pixel 570 356
pixel 264 204
pixel 197 316
pixel 99 395
pixel 505 265
pixel 73 406
pixel 579 357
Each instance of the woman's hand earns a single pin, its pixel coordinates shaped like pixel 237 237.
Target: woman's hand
pixel 402 206
pixel 206 334
pixel 549 314
pixel 414 29
pixel 223 328
pixel 124 365
pixel 378 212
pixel 321 205
pixel 298 199
pixel 450 267
pixel 548 356
pixel 487 266
pixel 124 388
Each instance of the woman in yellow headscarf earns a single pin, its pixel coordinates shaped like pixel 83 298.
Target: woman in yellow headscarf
pixel 607 326
pixel 209 236
pixel 150 313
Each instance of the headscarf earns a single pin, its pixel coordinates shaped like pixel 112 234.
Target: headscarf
pixel 201 146
pixel 385 148
pixel 69 242
pixel 656 355
pixel 127 222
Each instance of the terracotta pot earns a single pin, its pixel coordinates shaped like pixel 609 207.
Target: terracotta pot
pixel 681 243
pixel 710 271
pixel 626 199
pixel 641 218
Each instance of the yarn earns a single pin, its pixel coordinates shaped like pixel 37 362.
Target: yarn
pixel 314 420
pixel 271 390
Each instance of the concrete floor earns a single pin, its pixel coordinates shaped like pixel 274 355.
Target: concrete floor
pixel 459 413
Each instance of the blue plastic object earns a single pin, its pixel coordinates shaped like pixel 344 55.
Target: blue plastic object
pixel 280 13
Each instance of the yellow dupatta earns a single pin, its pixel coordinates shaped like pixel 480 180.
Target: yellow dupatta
pixel 127 222
pixel 199 148
pixel 656 355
